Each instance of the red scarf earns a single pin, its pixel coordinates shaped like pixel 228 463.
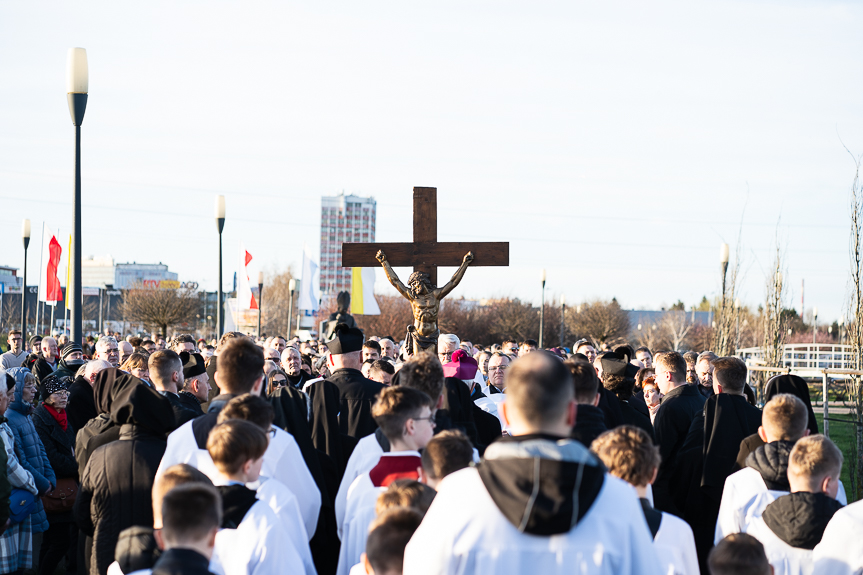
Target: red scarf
pixel 59 416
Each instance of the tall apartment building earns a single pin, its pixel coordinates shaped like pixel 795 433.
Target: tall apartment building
pixel 343 219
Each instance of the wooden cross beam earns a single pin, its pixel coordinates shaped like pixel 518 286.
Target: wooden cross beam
pixel 426 253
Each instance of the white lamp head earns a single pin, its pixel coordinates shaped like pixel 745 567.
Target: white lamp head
pixel 543 275
pixel 563 300
pixel 77 72
pixel 723 254
pixel 220 207
pixel 292 285
pixel 25 229
pixel 260 278
pixel 815 311
pixel 737 303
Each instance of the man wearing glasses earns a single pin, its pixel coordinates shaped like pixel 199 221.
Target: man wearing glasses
pixel 497 367
pixel 108 350
pixel 16 355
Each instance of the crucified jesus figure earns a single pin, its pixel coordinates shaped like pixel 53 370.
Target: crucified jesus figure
pixel 425 301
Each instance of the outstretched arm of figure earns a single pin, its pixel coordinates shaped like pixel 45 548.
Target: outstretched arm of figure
pixel 456 278
pixel 391 275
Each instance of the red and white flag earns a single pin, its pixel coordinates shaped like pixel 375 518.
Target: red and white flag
pixel 245 297
pixel 49 283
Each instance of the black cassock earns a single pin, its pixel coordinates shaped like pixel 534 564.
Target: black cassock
pixel 706 459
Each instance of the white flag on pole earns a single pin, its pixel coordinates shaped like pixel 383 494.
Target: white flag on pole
pixel 308 299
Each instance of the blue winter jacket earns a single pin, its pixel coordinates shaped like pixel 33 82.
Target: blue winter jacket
pixel 29 448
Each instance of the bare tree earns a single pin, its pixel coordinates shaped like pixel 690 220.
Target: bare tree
pixel 275 303
pixel 162 308
pixel 725 335
pixel 773 320
pixel 676 326
pixel 604 323
pixel 855 323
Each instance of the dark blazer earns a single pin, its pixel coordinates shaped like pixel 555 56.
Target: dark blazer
pixel 82 406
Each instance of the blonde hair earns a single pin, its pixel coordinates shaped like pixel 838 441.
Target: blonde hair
pixel 785 417
pixel 406 493
pixel 628 453
pixel 814 458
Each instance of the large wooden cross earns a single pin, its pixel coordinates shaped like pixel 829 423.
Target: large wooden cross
pixel 426 253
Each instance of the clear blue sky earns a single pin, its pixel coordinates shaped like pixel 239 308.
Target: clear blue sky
pixel 616 144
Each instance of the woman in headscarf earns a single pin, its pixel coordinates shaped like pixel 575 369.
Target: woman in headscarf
pixel 58 438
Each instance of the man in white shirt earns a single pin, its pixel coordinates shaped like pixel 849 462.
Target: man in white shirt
pixel 538 502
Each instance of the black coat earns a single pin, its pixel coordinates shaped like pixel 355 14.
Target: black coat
pixel 116 487
pixel 81 407
pixel 633 416
pixel 459 406
pixel 589 424
pixel 190 402
pixel 182 562
pixel 59 446
pixel 356 397
pixel 182 414
pixel 673 419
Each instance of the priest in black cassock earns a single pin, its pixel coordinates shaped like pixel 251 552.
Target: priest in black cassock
pixel 345 398
pixel 707 457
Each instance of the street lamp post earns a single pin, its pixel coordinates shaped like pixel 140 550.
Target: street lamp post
pixel 220 225
pixel 562 319
pixel 77 86
pixel 25 235
pixel 542 310
pixel 260 299
pixel 292 286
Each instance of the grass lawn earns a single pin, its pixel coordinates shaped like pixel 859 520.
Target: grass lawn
pixel 842 435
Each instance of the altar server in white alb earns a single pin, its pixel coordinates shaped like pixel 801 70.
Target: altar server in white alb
pixel 252 540
pixel 749 491
pixel 240 371
pixel 841 549
pixel 794 524
pixel 421 372
pixel 538 502
pixel 629 453
pixel 405 416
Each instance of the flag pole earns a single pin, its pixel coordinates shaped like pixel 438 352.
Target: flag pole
pixel 39 287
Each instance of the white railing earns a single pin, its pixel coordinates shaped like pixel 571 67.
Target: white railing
pixel 804 359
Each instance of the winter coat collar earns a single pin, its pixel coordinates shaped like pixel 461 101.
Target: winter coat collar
pixel 236 502
pixel 799 519
pixel 543 485
pixel 771 461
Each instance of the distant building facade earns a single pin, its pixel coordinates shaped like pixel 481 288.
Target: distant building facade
pixel 343 219
pixel 102 271
pixel 9 277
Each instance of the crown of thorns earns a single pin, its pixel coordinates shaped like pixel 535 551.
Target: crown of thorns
pixel 419 277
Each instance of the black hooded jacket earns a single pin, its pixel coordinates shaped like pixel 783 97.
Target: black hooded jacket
pixel 771 461
pixel 116 486
pixel 794 385
pixel 799 519
pixel 111 386
pixel 136 549
pixel 543 485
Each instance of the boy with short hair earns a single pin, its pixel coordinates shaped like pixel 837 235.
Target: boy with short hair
pixel 739 554
pixel 446 453
pixel 252 539
pixel 191 516
pixel 405 417
pixel 794 524
pixel 629 453
pixel 388 537
pixel 748 491
pixel 405 493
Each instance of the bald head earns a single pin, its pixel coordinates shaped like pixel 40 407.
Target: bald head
pixel 539 395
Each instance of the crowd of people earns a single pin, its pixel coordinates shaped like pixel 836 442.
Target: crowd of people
pixel 349 456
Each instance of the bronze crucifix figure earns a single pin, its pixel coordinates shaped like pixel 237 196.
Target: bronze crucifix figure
pixel 425 254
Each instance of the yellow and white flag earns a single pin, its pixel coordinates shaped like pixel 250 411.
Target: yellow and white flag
pixel 363 300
